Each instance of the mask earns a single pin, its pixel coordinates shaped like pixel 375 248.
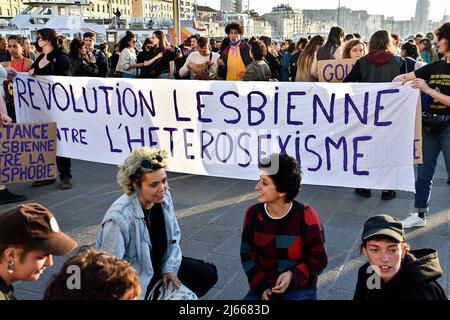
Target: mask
pixel 37 46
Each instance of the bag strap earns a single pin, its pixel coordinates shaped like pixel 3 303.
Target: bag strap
pixel 210 59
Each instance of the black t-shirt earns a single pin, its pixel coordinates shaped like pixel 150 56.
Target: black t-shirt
pixel 437 75
pixel 154 219
pixel 163 64
pixel 142 57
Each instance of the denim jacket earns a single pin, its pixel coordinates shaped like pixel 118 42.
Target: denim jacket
pixel 124 234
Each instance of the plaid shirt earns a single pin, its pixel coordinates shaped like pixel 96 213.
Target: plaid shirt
pixel 270 247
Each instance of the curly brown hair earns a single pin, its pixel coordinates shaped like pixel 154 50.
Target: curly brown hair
pixel 103 277
pixel 234 26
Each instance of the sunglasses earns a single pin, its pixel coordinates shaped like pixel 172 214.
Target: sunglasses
pixel 146 164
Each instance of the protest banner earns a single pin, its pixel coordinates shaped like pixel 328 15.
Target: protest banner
pixel 351 135
pixel 27 152
pixel 335 70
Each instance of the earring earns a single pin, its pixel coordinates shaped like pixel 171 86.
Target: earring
pixel 10 266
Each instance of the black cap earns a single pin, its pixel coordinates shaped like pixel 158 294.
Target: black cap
pixel 385 225
pixel 33 224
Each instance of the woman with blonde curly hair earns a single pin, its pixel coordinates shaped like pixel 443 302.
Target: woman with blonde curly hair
pixel 141 227
pixel 101 277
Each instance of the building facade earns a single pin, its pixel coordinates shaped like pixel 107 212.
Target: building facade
pixel 286 22
pixel 422 17
pixel 232 6
pixel 10 8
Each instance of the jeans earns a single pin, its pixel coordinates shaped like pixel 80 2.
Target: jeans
pixel 433 144
pixel 164 75
pixel 298 294
pixel 129 75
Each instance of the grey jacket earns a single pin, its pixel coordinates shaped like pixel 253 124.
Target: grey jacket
pixel 257 71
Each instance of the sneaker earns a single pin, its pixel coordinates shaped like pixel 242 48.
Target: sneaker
pixel 65 184
pixel 388 194
pixel 42 183
pixel 363 192
pixel 7 196
pixel 414 221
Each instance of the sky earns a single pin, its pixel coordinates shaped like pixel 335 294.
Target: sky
pixel 400 9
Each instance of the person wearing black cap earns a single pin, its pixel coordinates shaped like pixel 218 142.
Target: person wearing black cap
pixel 29 236
pixel 393 271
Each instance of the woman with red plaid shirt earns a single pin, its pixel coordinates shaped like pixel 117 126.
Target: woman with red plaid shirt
pixel 282 247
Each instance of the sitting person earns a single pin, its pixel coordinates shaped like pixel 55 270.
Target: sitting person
pixel 282 248
pixel 102 277
pixel 141 227
pixel 29 236
pixel 393 271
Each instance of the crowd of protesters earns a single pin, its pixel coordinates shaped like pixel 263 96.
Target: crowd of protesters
pixel 154 252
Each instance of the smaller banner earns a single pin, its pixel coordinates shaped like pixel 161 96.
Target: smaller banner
pixel 27 152
pixel 335 70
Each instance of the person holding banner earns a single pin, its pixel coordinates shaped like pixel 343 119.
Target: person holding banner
pixel 141 227
pixel 53 62
pixel 7 196
pixel 436 124
pixel 282 246
pixel 29 236
pixel 394 272
pixel 379 65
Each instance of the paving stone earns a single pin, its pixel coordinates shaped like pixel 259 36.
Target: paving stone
pixel 211 212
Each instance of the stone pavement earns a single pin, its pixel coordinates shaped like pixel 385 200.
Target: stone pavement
pixel 210 212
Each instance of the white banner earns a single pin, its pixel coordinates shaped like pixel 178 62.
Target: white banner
pixel 350 135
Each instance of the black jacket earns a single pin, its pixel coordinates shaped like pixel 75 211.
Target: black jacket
pixel 80 68
pixel 416 280
pixel 59 65
pixel 365 71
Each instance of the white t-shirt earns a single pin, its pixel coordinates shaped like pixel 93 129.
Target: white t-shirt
pixel 196 58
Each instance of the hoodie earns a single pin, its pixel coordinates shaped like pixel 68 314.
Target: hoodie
pixel 380 67
pixel 416 280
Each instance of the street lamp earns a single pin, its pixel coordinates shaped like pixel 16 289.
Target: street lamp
pixel 338 11
pixel 110 9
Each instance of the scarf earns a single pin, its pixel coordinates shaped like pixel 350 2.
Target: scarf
pixel 379 59
pixel 234 46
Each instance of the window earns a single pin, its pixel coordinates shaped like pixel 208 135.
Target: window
pixel 98 7
pixel 8 13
